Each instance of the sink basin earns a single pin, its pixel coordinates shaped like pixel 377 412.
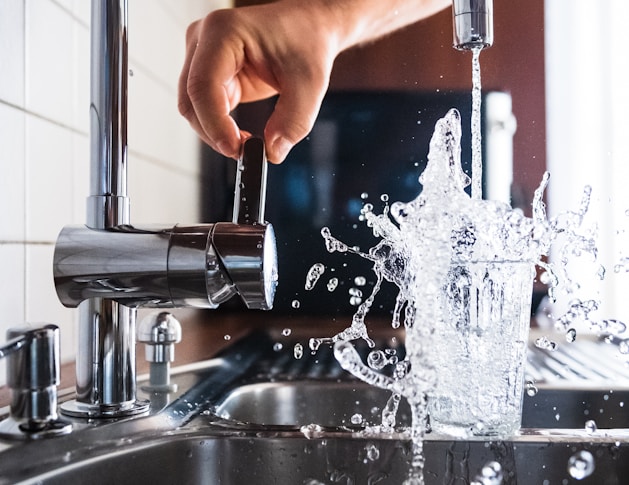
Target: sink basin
pixel 256 415
pixel 334 404
pixel 314 389
pixel 206 452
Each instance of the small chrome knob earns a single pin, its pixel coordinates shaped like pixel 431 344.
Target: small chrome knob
pixel 160 332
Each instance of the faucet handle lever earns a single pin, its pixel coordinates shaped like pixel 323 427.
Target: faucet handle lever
pixel 250 192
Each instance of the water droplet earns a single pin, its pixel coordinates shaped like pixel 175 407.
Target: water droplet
pixel 227 337
pixel 367 208
pixel 355 292
pixel 364 195
pixel 298 351
pixel 384 197
pixel 623 347
pixel 373 453
pixel 314 344
pixel 314 273
pixel 277 346
pixel 545 344
pixel 531 389
pixel 590 426
pixel 311 430
pixel 130 72
pixel 355 300
pixel 332 284
pixel 571 335
pixel 356 418
pixel 581 465
pixel 295 304
pixel 286 332
pixel 360 281
pixel 376 359
pixel 490 474
pixel 614 327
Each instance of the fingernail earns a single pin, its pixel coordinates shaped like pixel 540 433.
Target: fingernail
pixel 279 149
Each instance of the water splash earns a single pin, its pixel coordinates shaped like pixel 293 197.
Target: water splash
pixel 491 474
pixel 418 243
pixel 314 273
pixel 581 465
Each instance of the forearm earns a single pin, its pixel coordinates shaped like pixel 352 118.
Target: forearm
pixel 358 21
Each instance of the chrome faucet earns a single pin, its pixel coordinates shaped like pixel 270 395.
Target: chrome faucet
pixel 473 23
pixel 109 268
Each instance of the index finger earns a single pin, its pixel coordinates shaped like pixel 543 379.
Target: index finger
pixel 213 90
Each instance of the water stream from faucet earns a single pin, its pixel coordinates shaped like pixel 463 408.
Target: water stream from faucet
pixel 477 155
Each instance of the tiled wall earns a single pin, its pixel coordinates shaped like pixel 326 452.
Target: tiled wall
pixel 44 145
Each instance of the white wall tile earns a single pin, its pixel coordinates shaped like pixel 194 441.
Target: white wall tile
pixel 11 286
pixel 12 182
pixel 49 198
pixel 12 296
pixel 49 61
pixel 155 127
pixel 80 177
pixel 161 195
pixel 155 41
pixel 82 9
pixel 12 51
pixel 81 78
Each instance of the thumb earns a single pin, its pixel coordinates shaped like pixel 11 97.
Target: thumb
pixel 294 115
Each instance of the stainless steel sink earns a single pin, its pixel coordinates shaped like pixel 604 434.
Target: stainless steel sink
pixel 259 416
pixel 334 404
pixel 270 457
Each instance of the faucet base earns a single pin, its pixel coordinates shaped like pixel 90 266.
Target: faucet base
pixel 12 428
pixel 78 409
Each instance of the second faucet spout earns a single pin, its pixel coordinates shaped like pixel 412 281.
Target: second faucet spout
pixel 473 24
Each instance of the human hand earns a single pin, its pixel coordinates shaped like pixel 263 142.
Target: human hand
pixel 285 47
pixel 252 53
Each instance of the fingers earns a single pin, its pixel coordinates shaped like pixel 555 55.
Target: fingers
pixel 207 88
pixel 295 113
pixel 228 61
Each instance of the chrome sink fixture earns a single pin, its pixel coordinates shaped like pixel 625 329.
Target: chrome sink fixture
pixel 108 267
pixel 256 414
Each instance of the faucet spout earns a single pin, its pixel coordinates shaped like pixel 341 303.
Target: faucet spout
pixel 473 24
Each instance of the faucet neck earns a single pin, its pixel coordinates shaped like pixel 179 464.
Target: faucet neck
pixel 105 366
pixel 108 202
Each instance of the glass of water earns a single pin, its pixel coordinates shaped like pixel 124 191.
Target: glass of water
pixel 480 349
